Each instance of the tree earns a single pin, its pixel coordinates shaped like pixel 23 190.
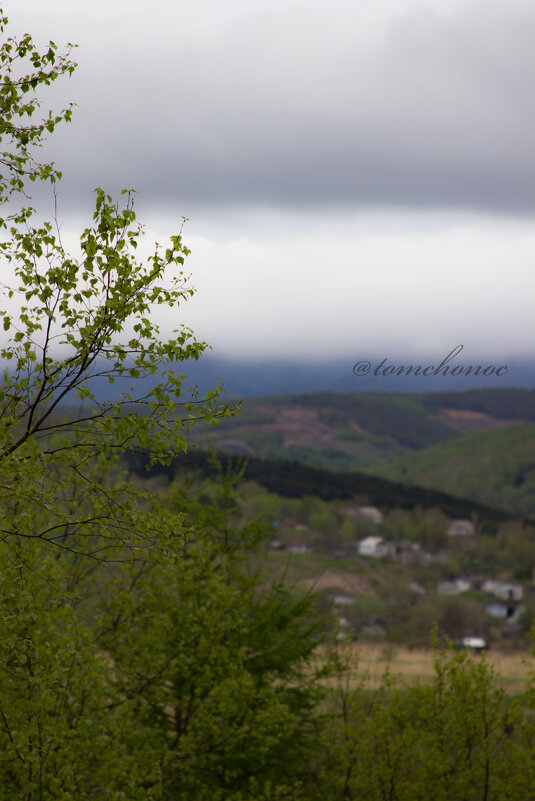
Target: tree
pixel 64 731
pixel 457 738
pixel 162 664
pixel 179 670
pixel 19 102
pixel 218 660
pixel 70 330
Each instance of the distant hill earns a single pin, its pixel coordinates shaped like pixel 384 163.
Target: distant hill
pixel 344 432
pixel 502 404
pixel 478 444
pixel 493 467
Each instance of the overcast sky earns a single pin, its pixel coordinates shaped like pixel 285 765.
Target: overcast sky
pixel 359 177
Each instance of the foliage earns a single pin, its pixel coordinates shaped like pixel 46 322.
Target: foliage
pixel 455 618
pixel 232 704
pixel 427 527
pixel 19 103
pixel 180 670
pixel 71 321
pixel 457 738
pixel 64 731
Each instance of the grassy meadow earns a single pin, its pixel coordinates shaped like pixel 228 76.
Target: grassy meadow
pixel 415 665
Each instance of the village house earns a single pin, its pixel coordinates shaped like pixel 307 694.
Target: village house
pixel 373 546
pixel 509 595
pixel 371 514
pixel 503 590
pixel 474 643
pixel 343 600
pixel 504 611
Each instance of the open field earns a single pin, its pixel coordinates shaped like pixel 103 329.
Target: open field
pixel 415 666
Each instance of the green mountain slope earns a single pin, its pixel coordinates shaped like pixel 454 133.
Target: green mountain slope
pixel 503 404
pixel 349 432
pixel 337 432
pixel 494 467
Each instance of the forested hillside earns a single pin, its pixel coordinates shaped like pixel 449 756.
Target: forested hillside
pixel 295 479
pixel 471 444
pixel 344 432
pixel 492 467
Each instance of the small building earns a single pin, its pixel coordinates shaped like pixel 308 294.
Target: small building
pixel 460 528
pixel 474 643
pixel 497 610
pixel 342 600
pixel 503 590
pixel 373 546
pixel 371 514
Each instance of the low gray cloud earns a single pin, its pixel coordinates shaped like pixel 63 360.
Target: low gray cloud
pixel 358 176
pixel 303 104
